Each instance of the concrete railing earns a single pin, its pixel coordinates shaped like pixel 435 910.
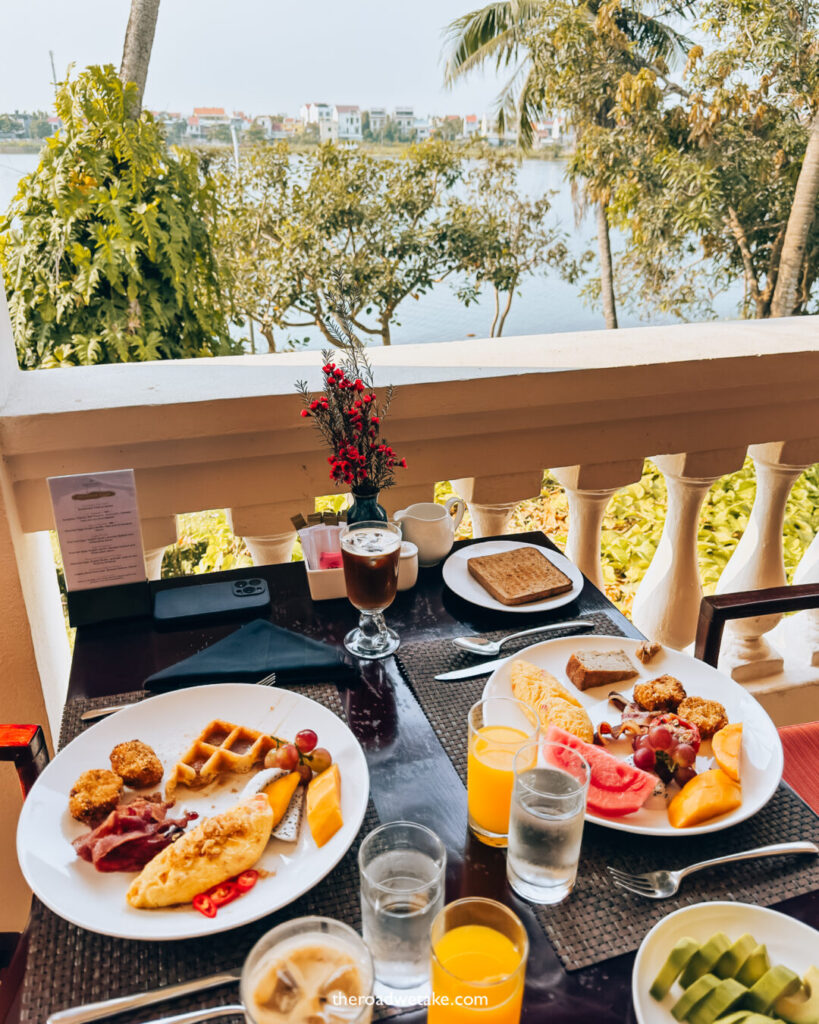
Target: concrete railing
pixel 489 415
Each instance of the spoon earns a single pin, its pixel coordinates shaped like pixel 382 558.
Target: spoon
pixel 489 648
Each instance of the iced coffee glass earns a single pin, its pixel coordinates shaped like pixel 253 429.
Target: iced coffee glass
pixel 308 969
pixel 370 553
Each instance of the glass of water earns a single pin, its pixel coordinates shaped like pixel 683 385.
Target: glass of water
pixel 546 821
pixel 402 867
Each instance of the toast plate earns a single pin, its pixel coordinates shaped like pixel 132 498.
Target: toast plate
pixel 170 722
pixel 458 579
pixel 762 759
pixel 789 942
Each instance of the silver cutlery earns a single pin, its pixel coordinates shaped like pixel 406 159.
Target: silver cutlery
pixel 109 709
pixel 121 1004
pixel 659 885
pixel 484 669
pixel 487 648
pixel 196 1015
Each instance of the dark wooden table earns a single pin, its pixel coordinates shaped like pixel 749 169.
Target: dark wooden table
pixel 411 775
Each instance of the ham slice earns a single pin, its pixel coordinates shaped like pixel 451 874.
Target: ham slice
pixel 131 835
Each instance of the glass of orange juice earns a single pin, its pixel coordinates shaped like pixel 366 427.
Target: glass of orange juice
pixel 498 728
pixel 479 951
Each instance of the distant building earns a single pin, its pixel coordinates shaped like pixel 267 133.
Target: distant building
pixel 328 131
pixel 404 118
pixel 489 130
pixel 422 128
pixel 472 126
pixel 272 126
pixel 348 123
pixel 552 130
pixel 204 118
pixel 378 119
pixel 316 113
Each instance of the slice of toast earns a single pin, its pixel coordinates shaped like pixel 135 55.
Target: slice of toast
pixel 596 668
pixel 518 576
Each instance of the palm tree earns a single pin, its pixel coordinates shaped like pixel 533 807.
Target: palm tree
pixel 136 53
pixel 500 33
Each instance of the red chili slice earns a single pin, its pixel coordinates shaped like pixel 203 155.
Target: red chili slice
pixel 225 892
pixel 204 904
pixel 246 880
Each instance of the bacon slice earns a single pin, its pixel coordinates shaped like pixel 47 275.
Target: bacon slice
pixel 131 835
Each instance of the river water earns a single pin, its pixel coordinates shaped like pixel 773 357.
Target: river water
pixel 544 305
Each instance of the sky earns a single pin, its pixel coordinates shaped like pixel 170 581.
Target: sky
pixel 259 56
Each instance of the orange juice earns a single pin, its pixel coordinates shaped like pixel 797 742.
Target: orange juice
pixel 492 750
pixel 475 977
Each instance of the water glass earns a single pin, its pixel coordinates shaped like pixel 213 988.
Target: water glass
pixel 546 821
pixel 310 968
pixel 479 953
pixel 402 867
pixel 370 552
pixel 498 728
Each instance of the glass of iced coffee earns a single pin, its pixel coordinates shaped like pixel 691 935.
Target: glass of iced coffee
pixel 305 970
pixel 370 553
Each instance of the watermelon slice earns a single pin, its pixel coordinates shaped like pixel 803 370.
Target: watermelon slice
pixel 615 787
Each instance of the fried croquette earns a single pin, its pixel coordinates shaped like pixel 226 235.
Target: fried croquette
pixel 661 694
pixel 136 764
pixel 648 650
pixel 94 795
pixel 708 715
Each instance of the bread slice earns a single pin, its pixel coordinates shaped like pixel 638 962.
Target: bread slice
pixel 518 576
pixel 596 668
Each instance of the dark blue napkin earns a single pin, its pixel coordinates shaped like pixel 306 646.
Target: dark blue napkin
pixel 251 653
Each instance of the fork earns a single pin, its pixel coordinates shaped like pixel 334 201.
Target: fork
pixel 89 716
pixel 659 885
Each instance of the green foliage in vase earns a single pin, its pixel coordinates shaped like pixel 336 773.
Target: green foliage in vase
pixel 105 247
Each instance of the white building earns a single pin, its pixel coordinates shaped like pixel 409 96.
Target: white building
pixel 472 126
pixel 422 128
pixel 489 130
pixel 328 131
pixel 204 118
pixel 348 123
pixel 316 113
pixel 404 118
pixel 378 119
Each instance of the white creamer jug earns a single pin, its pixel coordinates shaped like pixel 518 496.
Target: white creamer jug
pixel 431 527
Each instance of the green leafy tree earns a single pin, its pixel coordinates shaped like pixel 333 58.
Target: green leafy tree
pixel 39 128
pixel 105 247
pixel 500 237
pixel 220 133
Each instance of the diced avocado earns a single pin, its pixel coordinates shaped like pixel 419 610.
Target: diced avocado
pixel 693 994
pixel 674 965
pixel 738 1017
pixel 777 982
pixel 705 958
pixel 802 1006
pixel 754 967
pixel 732 959
pixel 759 1018
pixel 717 1002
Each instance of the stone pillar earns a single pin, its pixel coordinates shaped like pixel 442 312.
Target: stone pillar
pixel 157 534
pixel 266 530
pixel 667 604
pixel 758 559
pixel 589 489
pixel 492 499
pixel 804 626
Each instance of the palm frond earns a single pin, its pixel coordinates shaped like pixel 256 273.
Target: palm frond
pixel 492 32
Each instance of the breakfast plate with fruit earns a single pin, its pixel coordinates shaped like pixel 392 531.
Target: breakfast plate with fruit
pixel 193 812
pixel 727 962
pixel 675 747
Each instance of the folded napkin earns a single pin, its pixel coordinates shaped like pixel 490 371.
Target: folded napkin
pixel 251 653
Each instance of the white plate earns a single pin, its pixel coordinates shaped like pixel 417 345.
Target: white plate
pixel 762 760
pixel 91 899
pixel 789 942
pixel 458 579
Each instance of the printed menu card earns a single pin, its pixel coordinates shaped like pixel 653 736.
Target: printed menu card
pixel 98 527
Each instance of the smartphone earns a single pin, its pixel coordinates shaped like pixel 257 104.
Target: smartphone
pixel 190 606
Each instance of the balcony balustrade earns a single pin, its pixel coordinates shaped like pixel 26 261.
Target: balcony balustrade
pixel 488 415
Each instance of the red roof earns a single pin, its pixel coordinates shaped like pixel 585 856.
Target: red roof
pixel 209 111
pixel 471 118
pixel 346 110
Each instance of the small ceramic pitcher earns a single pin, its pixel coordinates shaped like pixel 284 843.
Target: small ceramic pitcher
pixel 431 527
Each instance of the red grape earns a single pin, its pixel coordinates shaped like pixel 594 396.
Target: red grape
pixel 319 760
pixel 644 759
pixel 683 775
pixel 641 742
pixel 306 740
pixel 305 771
pixel 685 755
pixel 660 737
pixel 288 757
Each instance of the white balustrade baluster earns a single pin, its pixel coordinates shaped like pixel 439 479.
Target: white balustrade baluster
pixel 667 603
pixel 491 499
pixel 157 534
pixel 589 489
pixel 758 560
pixel 803 628
pixel 266 530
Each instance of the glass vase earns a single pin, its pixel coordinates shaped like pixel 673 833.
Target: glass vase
pixel 365 507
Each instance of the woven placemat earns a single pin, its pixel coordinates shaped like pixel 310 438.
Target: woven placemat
pixel 68 965
pixel 598 921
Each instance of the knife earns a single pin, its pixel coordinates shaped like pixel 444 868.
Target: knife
pixel 484 668
pixel 109 1007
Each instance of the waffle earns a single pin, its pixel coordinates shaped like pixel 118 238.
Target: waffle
pixel 221 747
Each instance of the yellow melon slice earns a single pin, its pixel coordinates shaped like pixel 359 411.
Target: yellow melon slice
pixel 324 805
pixel 704 797
pixel 727 747
pixel 280 793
